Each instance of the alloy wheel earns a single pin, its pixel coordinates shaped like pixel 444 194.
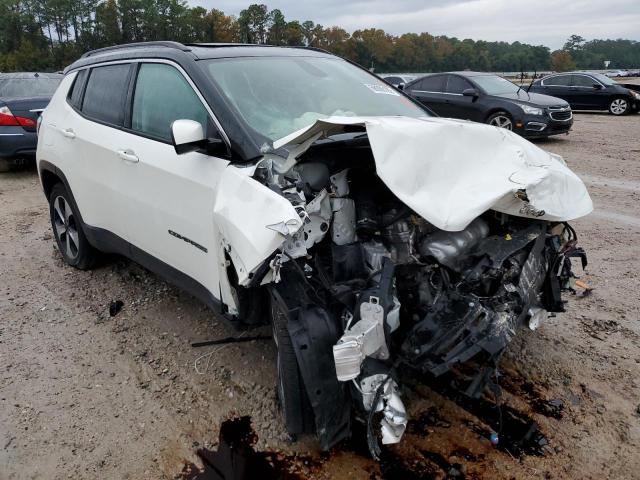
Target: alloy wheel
pixel 65 228
pixel 501 121
pixel 619 106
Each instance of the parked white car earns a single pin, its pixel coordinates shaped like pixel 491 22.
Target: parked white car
pixel 617 73
pixel 288 186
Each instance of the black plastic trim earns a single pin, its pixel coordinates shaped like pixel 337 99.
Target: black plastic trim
pixel 106 241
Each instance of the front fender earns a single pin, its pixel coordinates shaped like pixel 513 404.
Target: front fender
pixel 243 210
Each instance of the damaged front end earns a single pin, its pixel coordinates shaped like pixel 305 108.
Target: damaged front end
pixel 370 287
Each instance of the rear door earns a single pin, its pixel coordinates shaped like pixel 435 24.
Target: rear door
pixel 92 137
pixel 558 86
pixel 170 197
pixel 430 92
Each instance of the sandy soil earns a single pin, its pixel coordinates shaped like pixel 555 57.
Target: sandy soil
pixel 87 395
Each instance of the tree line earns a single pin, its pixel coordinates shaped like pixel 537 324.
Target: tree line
pixel 50 34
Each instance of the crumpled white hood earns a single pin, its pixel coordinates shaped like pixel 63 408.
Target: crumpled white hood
pixel 452 171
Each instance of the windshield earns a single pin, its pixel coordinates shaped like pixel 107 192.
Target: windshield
pixel 603 79
pixel 28 87
pixel 495 85
pixel 279 95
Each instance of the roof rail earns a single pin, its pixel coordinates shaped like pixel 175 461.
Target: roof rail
pixel 227 44
pixel 264 45
pixel 167 44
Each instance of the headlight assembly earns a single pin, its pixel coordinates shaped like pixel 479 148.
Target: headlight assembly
pixel 531 110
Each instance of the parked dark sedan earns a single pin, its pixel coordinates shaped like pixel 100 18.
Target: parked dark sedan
pixel 488 98
pixel 23 96
pixel 589 91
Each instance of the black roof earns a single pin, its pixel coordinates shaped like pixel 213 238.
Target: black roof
pixel 195 51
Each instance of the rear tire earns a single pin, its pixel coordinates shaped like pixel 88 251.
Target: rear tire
pixel 294 402
pixel 619 106
pixel 67 230
pixel 5 165
pixel 501 119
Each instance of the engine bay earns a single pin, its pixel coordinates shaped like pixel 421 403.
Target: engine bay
pixel 371 288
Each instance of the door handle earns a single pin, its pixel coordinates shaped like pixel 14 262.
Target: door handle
pixel 128 156
pixel 69 133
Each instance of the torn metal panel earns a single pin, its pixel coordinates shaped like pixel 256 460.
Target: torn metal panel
pixel 428 164
pixel 254 220
pixel 365 338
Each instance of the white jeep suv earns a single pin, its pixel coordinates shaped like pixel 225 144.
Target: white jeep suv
pixel 287 185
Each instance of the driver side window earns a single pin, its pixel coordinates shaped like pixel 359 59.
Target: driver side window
pixel 161 96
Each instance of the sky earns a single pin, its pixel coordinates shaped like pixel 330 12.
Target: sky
pixel 539 22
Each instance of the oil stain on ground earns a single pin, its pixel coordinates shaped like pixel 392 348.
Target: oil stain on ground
pixel 237 459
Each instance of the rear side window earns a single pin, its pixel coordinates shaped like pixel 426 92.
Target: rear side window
pixel 106 93
pixel 75 94
pixel 430 84
pixel 457 84
pixel 162 95
pixel 559 80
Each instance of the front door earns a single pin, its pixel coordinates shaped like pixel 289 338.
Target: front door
pixel 585 93
pixel 171 196
pixel 459 105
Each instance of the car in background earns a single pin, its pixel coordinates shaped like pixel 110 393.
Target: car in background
pixel 617 73
pixel 589 91
pixel 398 80
pixel 23 96
pixel 489 98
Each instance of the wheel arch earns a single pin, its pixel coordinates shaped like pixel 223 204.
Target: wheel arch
pixel 49 176
pixel 497 109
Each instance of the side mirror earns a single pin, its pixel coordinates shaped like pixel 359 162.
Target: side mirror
pixel 187 136
pixel 597 86
pixel 470 92
pixel 400 86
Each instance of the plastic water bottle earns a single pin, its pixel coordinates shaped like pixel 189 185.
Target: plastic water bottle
pixel 494 439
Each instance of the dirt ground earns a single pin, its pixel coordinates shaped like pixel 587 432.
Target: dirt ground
pixel 87 395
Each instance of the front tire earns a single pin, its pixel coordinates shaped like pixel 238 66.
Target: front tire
pixel 619 106
pixel 501 120
pixel 67 230
pixel 292 395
